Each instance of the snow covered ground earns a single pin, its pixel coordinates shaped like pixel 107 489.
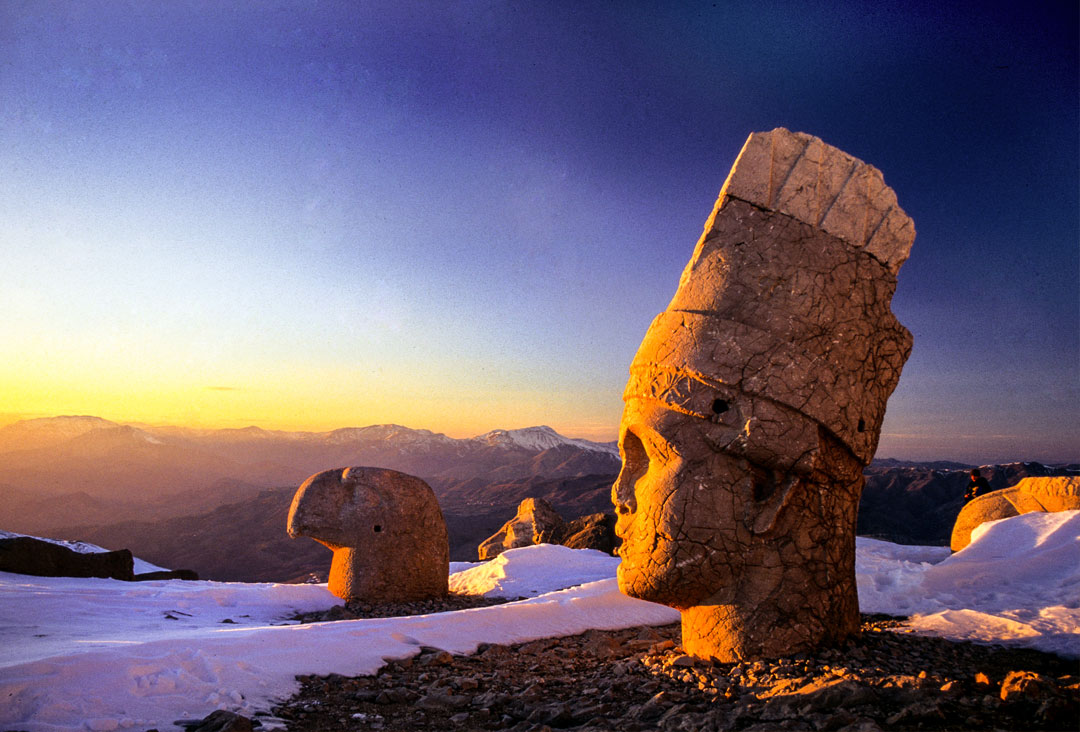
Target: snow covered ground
pixel 99 654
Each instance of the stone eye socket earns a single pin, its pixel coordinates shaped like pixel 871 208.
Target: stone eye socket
pixel 719 406
pixel 378 528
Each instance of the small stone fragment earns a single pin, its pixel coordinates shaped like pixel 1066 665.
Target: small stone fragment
pixel 222 721
pixel 1060 493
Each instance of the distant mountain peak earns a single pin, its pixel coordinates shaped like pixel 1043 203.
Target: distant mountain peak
pixel 47 431
pixel 384 432
pixel 540 438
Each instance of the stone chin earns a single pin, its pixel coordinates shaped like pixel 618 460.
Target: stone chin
pixel 679 576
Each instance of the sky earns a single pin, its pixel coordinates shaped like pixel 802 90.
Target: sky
pixel 464 216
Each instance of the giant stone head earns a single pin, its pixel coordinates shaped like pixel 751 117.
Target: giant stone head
pixel 756 399
pixel 385 528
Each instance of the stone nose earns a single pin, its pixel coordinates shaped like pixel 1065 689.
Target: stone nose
pixel 622 494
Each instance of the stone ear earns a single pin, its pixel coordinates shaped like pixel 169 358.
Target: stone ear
pixel 771 493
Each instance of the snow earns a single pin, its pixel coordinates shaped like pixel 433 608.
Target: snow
pixel 525 572
pixel 103 654
pixel 542 438
pixel 1018 581
pixel 80 654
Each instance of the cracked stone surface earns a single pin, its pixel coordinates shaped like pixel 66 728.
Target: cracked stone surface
pixel 535 518
pixel 1060 493
pixel 385 528
pixel 756 399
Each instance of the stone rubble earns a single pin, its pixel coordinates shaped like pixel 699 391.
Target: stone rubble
pixel 640 679
pixel 355 609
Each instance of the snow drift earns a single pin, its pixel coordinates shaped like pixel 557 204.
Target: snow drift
pixel 103 655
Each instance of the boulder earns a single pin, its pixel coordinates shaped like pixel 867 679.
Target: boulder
pixel 385 528
pixel 27 555
pixel 536 522
pixel 1060 493
pixel 167 574
pixel 595 531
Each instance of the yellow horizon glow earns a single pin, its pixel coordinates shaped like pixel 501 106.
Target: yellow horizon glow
pixel 332 401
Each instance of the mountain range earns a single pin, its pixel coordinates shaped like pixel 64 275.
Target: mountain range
pixel 54 470
pixel 215 500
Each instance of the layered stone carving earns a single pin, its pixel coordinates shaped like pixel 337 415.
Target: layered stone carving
pixel 756 399
pixel 1030 494
pixel 386 530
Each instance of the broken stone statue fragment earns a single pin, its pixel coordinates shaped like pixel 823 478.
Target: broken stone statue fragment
pixel 1061 493
pixel 385 528
pixel 756 399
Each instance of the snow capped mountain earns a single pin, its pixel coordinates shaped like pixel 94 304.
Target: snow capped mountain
pixel 50 431
pixel 541 438
pixel 385 433
pixel 135 468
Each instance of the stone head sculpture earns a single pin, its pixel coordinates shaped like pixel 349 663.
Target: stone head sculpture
pixel 385 528
pixel 756 399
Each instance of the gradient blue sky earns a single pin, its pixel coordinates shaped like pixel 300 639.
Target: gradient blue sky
pixel 463 216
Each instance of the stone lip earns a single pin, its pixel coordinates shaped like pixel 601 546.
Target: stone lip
pixel 32 556
pixel 799 175
pixel 1033 494
pixel 27 555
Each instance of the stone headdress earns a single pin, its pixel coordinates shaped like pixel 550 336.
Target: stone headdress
pixel 787 296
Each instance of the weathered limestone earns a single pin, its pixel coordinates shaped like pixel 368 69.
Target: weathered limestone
pixel 593 531
pixel 385 528
pixel 535 518
pixel 1029 495
pixel 537 522
pixel 756 399
pixel 27 555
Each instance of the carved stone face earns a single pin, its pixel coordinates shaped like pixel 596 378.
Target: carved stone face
pixel 753 547
pixel 756 398
pixel 690 501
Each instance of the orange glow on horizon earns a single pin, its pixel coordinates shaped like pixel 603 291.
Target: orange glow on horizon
pixel 293 407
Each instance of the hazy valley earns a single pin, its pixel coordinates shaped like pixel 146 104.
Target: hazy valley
pixel 215 500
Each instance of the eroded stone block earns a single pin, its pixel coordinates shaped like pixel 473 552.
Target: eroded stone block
pixel 1061 493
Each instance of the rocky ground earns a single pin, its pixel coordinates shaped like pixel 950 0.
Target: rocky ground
pixel 639 679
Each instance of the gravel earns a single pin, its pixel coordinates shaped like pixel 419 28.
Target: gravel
pixel 640 679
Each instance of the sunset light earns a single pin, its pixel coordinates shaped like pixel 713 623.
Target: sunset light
pixel 465 219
